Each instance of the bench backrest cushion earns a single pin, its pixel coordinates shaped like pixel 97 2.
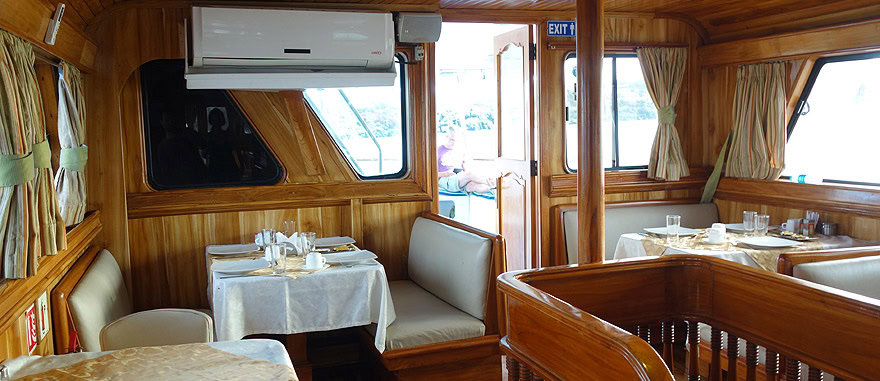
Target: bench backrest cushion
pixel 98 299
pixel 632 219
pixel 856 275
pixel 450 263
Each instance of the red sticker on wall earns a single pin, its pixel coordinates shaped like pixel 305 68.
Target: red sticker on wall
pixel 31 326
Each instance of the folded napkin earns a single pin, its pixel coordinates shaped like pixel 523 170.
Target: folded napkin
pixel 350 256
pixel 296 241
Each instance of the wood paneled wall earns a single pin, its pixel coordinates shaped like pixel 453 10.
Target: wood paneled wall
pixel 160 236
pixel 629 29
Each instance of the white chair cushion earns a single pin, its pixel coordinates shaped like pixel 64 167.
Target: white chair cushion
pixel 856 275
pixel 99 298
pixel 167 326
pixel 424 319
pixel 450 263
pixel 632 219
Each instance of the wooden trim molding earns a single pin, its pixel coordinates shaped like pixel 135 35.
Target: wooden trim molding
pixel 30 20
pixel 629 181
pixel 839 38
pixel 215 200
pixel 16 295
pixel 861 201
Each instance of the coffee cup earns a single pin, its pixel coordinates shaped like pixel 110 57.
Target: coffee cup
pixel 715 235
pixel 720 226
pixel 315 260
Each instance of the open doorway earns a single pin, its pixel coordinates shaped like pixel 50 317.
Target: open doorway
pixel 484 101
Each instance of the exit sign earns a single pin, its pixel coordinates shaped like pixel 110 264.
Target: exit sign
pixel 560 28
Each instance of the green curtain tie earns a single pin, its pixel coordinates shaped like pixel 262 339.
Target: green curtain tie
pixel 74 159
pixel 666 114
pixel 42 155
pixel 16 169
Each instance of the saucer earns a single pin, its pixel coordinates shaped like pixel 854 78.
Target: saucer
pixel 303 267
pixel 708 242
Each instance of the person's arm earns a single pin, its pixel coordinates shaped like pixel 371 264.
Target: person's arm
pixel 445 174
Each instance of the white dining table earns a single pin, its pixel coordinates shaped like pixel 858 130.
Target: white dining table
pixel 339 297
pixel 630 245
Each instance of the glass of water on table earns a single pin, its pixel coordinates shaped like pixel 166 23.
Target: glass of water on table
pixel 673 227
pixel 749 222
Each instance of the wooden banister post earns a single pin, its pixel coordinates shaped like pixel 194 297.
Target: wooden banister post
pixel 591 176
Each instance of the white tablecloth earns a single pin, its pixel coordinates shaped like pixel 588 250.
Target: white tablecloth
pixel 630 246
pixel 339 297
pixel 259 349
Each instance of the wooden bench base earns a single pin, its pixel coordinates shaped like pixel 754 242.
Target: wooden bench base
pixel 478 358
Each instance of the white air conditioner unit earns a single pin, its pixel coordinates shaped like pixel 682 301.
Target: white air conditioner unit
pixel 272 49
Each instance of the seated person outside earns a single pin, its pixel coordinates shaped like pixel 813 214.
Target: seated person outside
pixel 454 177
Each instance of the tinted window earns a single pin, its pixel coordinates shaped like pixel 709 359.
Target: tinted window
pixel 198 138
pixel 629 117
pixel 833 133
pixel 368 124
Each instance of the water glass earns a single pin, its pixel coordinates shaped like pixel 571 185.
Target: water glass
pixel 749 222
pixel 673 227
pixel 310 241
pixel 762 222
pixel 268 237
pixel 278 257
pixel 289 228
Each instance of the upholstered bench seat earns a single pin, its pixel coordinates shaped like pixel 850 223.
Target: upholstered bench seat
pixel 422 319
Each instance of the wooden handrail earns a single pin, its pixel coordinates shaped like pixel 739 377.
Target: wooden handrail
pixel 563 322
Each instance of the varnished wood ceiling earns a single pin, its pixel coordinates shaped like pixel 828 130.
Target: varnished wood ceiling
pixel 724 20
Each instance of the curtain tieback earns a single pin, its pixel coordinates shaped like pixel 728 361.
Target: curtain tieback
pixel 42 155
pixel 16 169
pixel 74 159
pixel 666 114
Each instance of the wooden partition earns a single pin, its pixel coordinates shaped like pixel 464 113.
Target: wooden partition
pixel 584 322
pixel 17 295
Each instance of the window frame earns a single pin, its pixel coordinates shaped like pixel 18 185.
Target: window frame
pixel 400 59
pixel 615 138
pixel 805 94
pixel 148 151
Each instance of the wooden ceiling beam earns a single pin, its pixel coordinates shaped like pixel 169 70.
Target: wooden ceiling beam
pixel 854 37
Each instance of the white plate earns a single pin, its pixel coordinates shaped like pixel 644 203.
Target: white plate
pixel 768 242
pixel 350 257
pixel 706 241
pixel 239 267
pixel 736 228
pixel 232 249
pixel 303 267
pixel 682 231
pixel 333 241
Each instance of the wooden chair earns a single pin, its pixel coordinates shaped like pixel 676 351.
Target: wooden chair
pixel 471 358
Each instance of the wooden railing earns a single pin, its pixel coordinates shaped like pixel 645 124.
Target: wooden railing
pixel 625 320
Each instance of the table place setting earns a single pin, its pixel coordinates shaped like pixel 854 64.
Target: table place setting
pixel 750 243
pixel 295 282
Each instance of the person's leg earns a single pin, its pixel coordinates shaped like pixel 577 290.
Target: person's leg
pixel 471 183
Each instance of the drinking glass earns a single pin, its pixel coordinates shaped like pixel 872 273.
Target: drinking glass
pixel 278 255
pixel 749 222
pixel 762 222
pixel 268 237
pixel 310 241
pixel 673 226
pixel 289 228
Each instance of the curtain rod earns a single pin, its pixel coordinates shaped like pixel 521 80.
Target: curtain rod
pixel 46 57
pixel 615 46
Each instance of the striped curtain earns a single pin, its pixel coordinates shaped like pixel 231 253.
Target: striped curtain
pixel 30 221
pixel 70 182
pixel 757 145
pixel 663 69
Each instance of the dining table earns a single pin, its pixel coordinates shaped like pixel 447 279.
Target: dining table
pixel 633 245
pixel 257 359
pixel 297 301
